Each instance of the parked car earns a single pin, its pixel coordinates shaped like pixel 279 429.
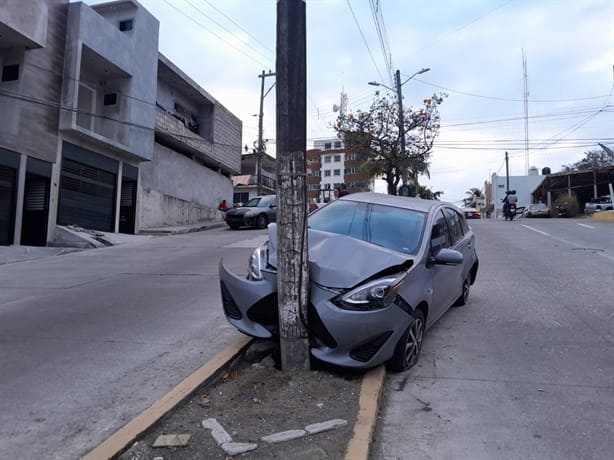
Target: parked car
pixel 258 212
pixel 537 210
pixel 383 269
pixel 602 203
pixel 471 213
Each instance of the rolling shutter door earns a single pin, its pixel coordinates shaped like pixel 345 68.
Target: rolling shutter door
pixel 86 196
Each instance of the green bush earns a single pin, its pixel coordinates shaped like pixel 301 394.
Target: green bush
pixel 565 201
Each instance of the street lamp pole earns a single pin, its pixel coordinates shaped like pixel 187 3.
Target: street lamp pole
pixel 397 89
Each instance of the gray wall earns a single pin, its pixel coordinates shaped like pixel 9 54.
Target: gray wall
pixel 175 190
pixel 227 137
pixel 29 127
pixel 28 18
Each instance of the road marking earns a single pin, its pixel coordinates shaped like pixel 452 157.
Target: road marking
pixel 536 230
pixel 584 225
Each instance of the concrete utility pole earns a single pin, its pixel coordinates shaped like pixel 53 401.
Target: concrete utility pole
pixel 292 268
pixel 401 117
pixel 260 152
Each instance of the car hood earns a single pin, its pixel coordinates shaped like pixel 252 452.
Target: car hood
pixel 241 210
pixel 339 261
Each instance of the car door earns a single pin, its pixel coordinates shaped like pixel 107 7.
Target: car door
pixel 462 241
pixel 444 278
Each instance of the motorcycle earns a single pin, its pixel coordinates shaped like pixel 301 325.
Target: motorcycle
pixel 510 211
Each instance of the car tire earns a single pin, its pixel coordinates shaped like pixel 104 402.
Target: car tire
pixel 262 221
pixel 464 297
pixel 233 226
pixel 407 351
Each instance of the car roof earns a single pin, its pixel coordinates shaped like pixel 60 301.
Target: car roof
pixel 416 204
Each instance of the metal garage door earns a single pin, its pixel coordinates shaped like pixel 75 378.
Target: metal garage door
pixel 87 196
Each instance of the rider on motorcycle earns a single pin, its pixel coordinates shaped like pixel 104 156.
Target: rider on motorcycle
pixel 510 198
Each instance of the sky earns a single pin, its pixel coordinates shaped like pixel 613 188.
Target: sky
pixel 473 48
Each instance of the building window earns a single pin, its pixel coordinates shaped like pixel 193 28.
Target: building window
pixel 337 172
pixel 327 173
pixel 350 171
pixel 110 99
pixel 126 25
pixel 338 144
pixel 327 159
pixel 337 158
pixel 351 157
pixel 317 173
pixel 10 72
pixel 327 145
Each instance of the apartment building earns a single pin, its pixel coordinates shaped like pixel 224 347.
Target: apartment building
pixel 329 164
pixel 98 129
pixel 246 184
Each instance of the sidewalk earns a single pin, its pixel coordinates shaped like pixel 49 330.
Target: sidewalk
pixel 78 239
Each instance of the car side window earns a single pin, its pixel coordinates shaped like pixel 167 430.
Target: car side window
pixel 454 222
pixel 440 237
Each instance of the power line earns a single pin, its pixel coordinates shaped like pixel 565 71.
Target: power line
pixel 200 24
pixel 363 39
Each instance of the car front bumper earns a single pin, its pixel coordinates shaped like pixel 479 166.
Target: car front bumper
pixel 358 339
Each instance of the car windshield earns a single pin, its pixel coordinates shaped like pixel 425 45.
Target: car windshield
pixel 259 201
pixel 393 228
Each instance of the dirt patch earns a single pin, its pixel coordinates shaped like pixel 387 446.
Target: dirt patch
pixel 251 401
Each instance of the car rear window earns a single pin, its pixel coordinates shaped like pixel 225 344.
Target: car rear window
pixel 390 227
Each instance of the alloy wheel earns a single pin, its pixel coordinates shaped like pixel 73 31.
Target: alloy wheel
pixel 414 342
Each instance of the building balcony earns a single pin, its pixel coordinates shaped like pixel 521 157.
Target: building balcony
pixel 24 25
pixel 181 135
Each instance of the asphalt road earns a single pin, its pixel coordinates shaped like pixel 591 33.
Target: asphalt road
pixel 526 369
pixel 88 340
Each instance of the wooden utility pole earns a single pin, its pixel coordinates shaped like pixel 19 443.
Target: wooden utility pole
pixel 292 268
pixel 260 152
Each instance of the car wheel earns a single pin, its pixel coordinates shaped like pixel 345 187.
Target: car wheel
pixel 233 226
pixel 464 297
pixel 408 349
pixel 262 221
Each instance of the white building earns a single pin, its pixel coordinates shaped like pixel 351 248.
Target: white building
pixel 523 185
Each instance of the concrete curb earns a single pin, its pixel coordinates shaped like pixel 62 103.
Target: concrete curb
pixel 118 441
pixel 181 230
pixel 370 393
pixel 604 216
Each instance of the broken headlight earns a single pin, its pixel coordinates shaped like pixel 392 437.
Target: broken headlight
pixel 257 261
pixel 373 295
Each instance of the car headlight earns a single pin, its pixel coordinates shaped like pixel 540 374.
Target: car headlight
pixel 373 295
pixel 257 261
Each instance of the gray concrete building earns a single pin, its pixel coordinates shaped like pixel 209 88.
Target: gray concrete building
pixel 98 130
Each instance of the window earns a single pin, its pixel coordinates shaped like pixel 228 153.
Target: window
pixel 337 172
pixel 327 173
pixel 110 99
pixel 338 144
pixel 10 72
pixel 351 171
pixel 439 235
pixel 126 25
pixel 337 158
pixel 454 223
pixel 327 146
pixel 327 159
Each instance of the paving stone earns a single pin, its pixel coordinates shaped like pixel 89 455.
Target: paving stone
pixel 325 426
pixel 220 435
pixel 172 440
pixel 284 436
pixel 236 448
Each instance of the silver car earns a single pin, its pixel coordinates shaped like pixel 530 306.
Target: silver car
pixel 382 270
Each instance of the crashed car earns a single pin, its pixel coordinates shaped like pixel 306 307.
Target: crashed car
pixel 382 269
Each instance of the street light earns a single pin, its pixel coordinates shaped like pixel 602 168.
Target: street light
pixel 400 103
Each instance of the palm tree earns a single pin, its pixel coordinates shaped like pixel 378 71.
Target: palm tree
pixel 474 194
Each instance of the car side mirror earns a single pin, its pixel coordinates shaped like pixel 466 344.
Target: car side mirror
pixel 447 256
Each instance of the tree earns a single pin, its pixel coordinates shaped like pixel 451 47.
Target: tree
pixel 374 134
pixel 472 201
pixel 592 159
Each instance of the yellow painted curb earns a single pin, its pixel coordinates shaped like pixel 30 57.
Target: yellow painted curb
pixel 131 430
pixel 370 392
pixel 604 216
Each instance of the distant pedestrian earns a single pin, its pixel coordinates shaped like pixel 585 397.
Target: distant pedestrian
pixel 223 206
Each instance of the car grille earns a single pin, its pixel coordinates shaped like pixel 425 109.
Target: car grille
pixel 366 351
pixel 265 311
pixel 317 330
pixel 230 307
